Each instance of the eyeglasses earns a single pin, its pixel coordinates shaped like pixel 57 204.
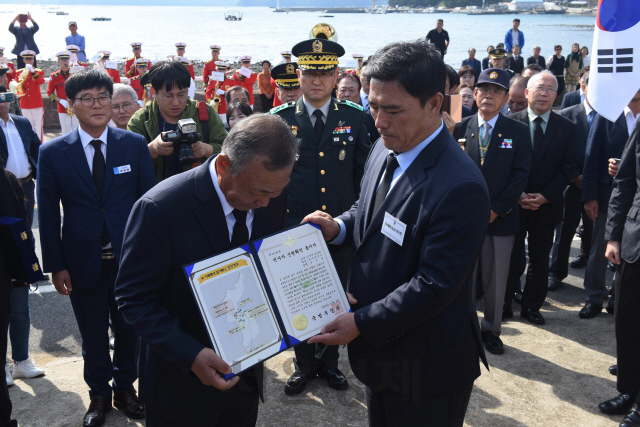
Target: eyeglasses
pixel 124 106
pixel 89 101
pixel 542 89
pixel 181 97
pixel 559 48
pixel 493 91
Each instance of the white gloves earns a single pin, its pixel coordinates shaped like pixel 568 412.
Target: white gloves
pixel 219 92
pixel 30 68
pixel 64 103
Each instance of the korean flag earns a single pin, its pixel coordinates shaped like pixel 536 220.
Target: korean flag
pixel 614 78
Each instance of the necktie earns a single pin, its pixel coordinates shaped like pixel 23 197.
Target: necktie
pixel 590 117
pixel 240 234
pixel 486 138
pixel 383 189
pixel 538 133
pixel 319 126
pixel 98 179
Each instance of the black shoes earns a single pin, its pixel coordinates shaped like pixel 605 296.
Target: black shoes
pixel 335 379
pixel 532 316
pixel 492 343
pixel 613 370
pixel 553 283
pixel 590 310
pixel 507 313
pixel 621 404
pixel 128 402
pixel 580 261
pixel 517 297
pixel 297 383
pixel 633 419
pixel 97 411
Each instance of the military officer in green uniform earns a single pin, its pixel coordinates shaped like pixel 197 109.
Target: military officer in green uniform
pixel 287 82
pixel 498 59
pixel 334 145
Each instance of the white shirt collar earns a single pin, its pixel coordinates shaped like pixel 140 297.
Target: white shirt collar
pixel 628 112
pixel 86 139
pixel 226 207
pixel 9 120
pixel 310 108
pixel 405 159
pixel 581 92
pixel 587 107
pixel 491 122
pixel 364 94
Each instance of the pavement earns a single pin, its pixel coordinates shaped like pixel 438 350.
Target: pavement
pixel 551 375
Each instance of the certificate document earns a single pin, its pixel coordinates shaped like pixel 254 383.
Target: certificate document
pixel 267 296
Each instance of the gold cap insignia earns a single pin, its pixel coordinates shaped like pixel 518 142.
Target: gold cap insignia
pixel 317 46
pixel 493 75
pixel 290 69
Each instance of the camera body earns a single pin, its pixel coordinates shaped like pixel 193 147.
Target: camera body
pixel 182 138
pixel 7 97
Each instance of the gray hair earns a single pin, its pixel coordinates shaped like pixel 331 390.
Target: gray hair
pixel 533 79
pixel 263 136
pixel 518 81
pixel 537 47
pixel 121 89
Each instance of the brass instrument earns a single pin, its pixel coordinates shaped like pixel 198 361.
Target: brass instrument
pixel 216 97
pixel 324 31
pixel 69 112
pixel 19 87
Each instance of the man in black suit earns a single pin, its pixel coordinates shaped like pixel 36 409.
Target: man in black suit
pixel 582 115
pixel 623 249
pixel 485 61
pixel 537 59
pixel 233 197
pixel 501 148
pixel 553 166
pixel 416 232
pixel 606 141
pixel 516 62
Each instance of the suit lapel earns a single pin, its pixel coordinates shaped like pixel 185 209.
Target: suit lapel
pixel 333 117
pixel 115 150
pixel 368 193
pixel 472 144
pixel 4 147
pixel 304 123
pixel 75 153
pixel 494 143
pixel 209 213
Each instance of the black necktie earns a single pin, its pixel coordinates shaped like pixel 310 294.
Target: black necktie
pixel 240 234
pixel 538 133
pixel 98 179
pixel 383 189
pixel 319 126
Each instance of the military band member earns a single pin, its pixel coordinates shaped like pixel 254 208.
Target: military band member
pixel 187 63
pixel 11 73
pixel 142 68
pixel 130 69
pixel 287 83
pixel 211 91
pixel 74 51
pixel 103 57
pixel 55 90
pixel 246 82
pixel 180 51
pixel 28 89
pixel 358 57
pixel 334 145
pixel 210 65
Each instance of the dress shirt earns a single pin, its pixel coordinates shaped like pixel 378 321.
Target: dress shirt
pixel 310 109
pixel 365 99
pixel 481 123
pixel 582 95
pixel 86 139
pixel 404 161
pixel 514 38
pixel 587 107
pixel 631 120
pixel 226 207
pixel 533 116
pixel 18 161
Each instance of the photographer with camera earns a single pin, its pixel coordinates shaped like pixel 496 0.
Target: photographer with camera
pixel 176 144
pixel 24 37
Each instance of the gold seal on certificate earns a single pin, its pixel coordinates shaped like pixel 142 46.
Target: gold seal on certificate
pixel 300 322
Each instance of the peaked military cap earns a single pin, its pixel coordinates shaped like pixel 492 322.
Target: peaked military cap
pixel 317 54
pixel 285 75
pixel 497 53
pixel 496 76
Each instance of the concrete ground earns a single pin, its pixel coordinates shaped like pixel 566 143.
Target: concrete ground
pixel 554 375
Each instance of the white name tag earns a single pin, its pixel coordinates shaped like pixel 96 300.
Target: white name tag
pixel 111 65
pixel 244 71
pixel 122 169
pixel 76 69
pixel 217 76
pixel 393 228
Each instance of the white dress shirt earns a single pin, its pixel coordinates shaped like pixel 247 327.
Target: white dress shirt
pixel 631 120
pixel 85 140
pixel 404 161
pixel 587 108
pixel 310 109
pixel 226 207
pixel 18 160
pixel 481 123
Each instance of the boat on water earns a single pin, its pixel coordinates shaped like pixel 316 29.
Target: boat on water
pixel 101 18
pixel 233 15
pixel 378 11
pixel 61 13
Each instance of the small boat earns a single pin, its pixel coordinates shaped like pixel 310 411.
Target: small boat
pixel 61 13
pixel 233 15
pixel 101 18
pixel 325 16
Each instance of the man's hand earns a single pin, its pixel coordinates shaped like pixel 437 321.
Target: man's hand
pixel 527 202
pixel 448 122
pixel 591 207
pixel 493 217
pixel 63 102
pixel 200 149
pixel 62 282
pixel 343 330
pixel 613 167
pixel 329 227
pixel 578 181
pixel 537 199
pixel 158 147
pixel 613 252
pixel 209 367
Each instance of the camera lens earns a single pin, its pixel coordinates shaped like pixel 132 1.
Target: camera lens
pixel 186 155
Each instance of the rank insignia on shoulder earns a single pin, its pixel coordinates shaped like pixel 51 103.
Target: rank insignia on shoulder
pixel 281 107
pixel 354 105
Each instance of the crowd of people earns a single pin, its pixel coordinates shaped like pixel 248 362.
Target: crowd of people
pixel 349 150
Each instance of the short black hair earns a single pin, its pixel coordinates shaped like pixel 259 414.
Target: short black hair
pixel 440 20
pixel 244 109
pixel 87 79
pixel 263 62
pixel 534 67
pixel 167 74
pixel 349 76
pixel 468 69
pixel 454 80
pixel 416 66
pixel 227 94
pixel 516 20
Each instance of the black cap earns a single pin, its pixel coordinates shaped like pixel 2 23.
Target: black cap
pixel 285 75
pixel 497 53
pixel 496 76
pixel 317 54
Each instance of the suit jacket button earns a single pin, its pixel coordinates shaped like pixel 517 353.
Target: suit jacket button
pixel 324 207
pixel 103 211
pixel 323 189
pixel 322 172
pixel 321 154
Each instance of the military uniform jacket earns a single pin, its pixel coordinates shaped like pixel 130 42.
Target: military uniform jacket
pixel 505 167
pixel 55 88
pixel 31 86
pixel 209 67
pixel 247 83
pixel 211 89
pixel 327 174
pixel 134 82
pixel 130 69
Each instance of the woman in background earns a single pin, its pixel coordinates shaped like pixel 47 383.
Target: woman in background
pixel 237 111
